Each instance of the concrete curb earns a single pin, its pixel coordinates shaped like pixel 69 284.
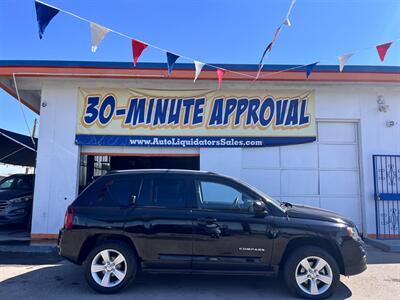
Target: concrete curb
pixel 384 245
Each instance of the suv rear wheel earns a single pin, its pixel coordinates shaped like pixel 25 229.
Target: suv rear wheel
pixel 311 273
pixel 110 267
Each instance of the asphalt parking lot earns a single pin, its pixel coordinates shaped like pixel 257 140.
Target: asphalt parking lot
pixel 47 276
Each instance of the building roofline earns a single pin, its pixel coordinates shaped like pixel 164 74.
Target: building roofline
pixel 190 66
pixel 185 71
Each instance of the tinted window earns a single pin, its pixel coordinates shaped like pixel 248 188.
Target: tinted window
pixel 162 192
pixel 111 191
pixel 17 183
pixel 6 183
pixel 23 183
pixel 215 195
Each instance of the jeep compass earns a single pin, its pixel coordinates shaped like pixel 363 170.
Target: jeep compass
pixel 199 222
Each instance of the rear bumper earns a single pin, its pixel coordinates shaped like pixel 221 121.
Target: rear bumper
pixel 68 246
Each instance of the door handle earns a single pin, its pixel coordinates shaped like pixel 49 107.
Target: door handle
pixel 272 232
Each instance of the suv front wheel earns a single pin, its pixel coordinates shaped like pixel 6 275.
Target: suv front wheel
pixel 311 273
pixel 110 267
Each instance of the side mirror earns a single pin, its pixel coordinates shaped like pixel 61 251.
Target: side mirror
pixel 259 208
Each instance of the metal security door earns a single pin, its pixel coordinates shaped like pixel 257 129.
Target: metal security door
pixel 387 195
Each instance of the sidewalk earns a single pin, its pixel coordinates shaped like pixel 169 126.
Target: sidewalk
pixel 19 241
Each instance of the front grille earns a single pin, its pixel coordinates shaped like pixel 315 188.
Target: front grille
pixel 3 206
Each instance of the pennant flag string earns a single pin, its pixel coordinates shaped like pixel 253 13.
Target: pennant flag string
pixel 131 38
pixel 46 12
pixel 287 20
pixel 198 66
pixel 382 50
pixel 98 33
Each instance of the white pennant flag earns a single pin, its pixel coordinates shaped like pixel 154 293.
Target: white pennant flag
pixel 343 60
pixel 98 33
pixel 198 65
pixel 287 21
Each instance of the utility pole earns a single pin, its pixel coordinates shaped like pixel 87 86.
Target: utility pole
pixel 33 136
pixel 34 128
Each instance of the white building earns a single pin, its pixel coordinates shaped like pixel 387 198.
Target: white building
pixel 356 116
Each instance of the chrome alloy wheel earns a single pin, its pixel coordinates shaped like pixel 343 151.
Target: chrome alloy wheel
pixel 314 275
pixel 108 268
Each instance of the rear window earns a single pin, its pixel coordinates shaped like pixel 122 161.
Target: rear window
pixel 111 191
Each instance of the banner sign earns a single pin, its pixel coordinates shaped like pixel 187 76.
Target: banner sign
pixel 217 118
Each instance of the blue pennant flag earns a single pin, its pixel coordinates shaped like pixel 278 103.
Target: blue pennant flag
pixel 309 68
pixel 44 15
pixel 171 59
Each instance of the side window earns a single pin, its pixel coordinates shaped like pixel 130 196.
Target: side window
pixel 110 192
pixel 169 192
pixel 215 195
pixel 22 184
pixel 124 192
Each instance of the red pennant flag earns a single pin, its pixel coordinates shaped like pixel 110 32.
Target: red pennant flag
pixel 278 30
pixel 382 49
pixel 137 49
pixel 220 74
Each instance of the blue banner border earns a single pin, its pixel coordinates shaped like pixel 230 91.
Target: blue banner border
pixel 188 141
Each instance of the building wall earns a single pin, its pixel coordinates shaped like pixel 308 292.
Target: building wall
pixel 58 156
pixel 56 181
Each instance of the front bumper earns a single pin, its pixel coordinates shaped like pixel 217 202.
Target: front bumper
pixel 354 257
pixel 15 214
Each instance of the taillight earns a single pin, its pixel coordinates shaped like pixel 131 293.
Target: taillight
pixel 69 217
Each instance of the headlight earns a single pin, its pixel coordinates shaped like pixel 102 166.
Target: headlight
pixel 20 200
pixel 353 233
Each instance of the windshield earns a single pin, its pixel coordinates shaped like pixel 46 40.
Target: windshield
pixel 17 183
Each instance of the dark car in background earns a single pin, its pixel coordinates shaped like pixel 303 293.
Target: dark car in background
pixel 180 221
pixel 16 194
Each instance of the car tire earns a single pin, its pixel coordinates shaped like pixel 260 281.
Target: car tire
pixel 110 267
pixel 311 273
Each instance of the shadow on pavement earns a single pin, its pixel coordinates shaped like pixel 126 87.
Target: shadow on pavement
pixel 14 232
pixel 66 281
pixel 10 258
pixel 377 256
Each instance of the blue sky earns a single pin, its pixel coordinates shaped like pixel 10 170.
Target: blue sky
pixel 213 31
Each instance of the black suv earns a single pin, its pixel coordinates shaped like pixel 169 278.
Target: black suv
pixel 198 222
